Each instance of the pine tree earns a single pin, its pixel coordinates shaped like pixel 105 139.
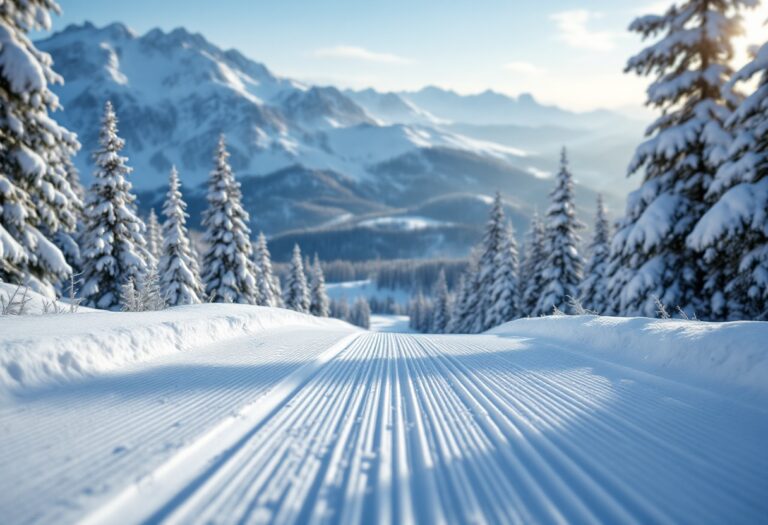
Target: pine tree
pixel 228 272
pixel 679 158
pixel 154 235
pixel 296 291
pixel 593 289
pixel 733 234
pixel 469 315
pixel 37 200
pixel 114 249
pixel 442 305
pixel 149 296
pixel 531 271
pixel 361 313
pixel 494 242
pixel 129 301
pixel 340 309
pixel 505 294
pixel 267 283
pixel 179 272
pixel 562 271
pixel 319 302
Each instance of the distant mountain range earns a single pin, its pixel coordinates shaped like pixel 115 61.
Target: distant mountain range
pixel 382 174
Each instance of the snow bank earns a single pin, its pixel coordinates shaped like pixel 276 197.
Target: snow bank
pixel 731 356
pixel 36 350
pixel 34 303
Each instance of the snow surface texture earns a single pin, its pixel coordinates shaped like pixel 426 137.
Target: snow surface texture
pixel 312 420
pixel 721 354
pixel 35 351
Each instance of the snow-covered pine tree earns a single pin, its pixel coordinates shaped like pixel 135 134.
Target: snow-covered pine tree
pixel 149 296
pixel 129 300
pixel 319 301
pixel 441 314
pixel 154 235
pixel 470 317
pixel 494 242
pixel 505 295
pixel 593 289
pixel 113 244
pixel 531 279
pixel 563 267
pixel 733 234
pixel 340 309
pixel 228 272
pixel 37 200
pixel 267 282
pixel 179 272
pixel 457 308
pixel 296 292
pixel 679 159
pixel 361 313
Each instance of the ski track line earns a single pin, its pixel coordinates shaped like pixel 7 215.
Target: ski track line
pixel 78 445
pixel 424 429
pixel 394 428
pixel 182 472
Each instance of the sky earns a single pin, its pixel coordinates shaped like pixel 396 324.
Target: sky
pixel 565 52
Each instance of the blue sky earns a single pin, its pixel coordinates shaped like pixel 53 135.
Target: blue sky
pixel 565 52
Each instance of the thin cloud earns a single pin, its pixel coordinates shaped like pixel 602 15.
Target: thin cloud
pixel 573 29
pixel 359 53
pixel 523 68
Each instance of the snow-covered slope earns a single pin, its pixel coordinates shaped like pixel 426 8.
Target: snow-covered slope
pixel 38 350
pixel 731 356
pixel 297 424
pixel 176 92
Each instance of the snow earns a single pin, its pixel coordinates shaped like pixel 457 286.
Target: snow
pixel 729 357
pixel 300 421
pixel 350 290
pixel 40 350
pixel 390 323
pixel 36 303
pixel 405 223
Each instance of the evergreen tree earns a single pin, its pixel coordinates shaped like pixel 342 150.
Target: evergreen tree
pixel 361 313
pixel 593 289
pixel 563 268
pixel 149 297
pixel 442 305
pixel 469 317
pixel 457 309
pixel 154 235
pixel 494 242
pixel 340 309
pixel 228 272
pixel 319 302
pixel 179 272
pixel 38 204
pixel 733 234
pixel 267 283
pixel 114 249
pixel 679 158
pixel 129 301
pixel 505 294
pixel 531 272
pixel 296 292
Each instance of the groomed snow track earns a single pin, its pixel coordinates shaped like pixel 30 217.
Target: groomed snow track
pixel 396 428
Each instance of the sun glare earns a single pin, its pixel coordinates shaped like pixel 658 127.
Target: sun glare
pixel 755 33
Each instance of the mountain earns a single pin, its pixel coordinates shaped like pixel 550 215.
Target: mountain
pixel 357 174
pixel 176 92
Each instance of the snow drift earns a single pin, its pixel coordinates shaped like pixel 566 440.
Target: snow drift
pixel 733 356
pixel 39 349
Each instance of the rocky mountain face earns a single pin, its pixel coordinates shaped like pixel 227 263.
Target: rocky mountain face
pixel 365 169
